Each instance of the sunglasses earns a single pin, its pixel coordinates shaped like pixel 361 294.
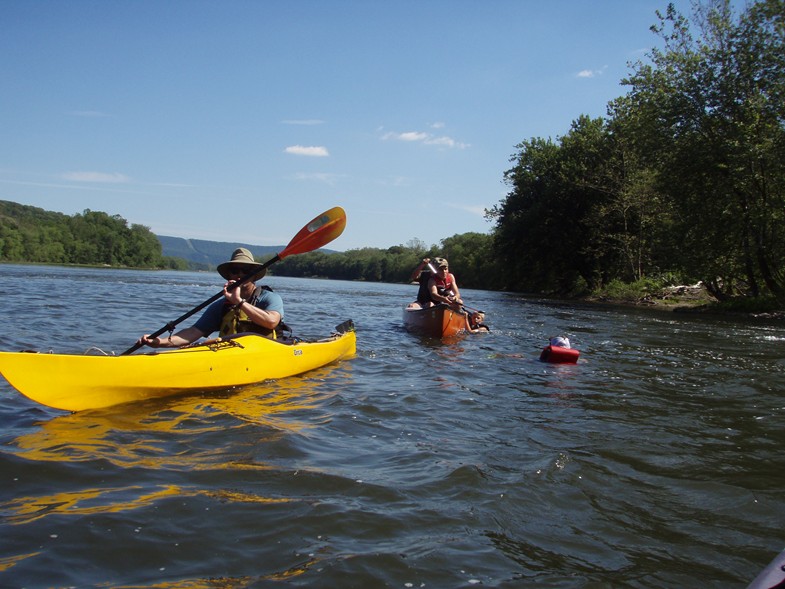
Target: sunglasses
pixel 238 272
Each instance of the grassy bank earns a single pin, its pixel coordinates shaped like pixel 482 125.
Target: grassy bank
pixel 686 298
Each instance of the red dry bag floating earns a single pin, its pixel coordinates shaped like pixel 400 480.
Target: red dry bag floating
pixel 559 355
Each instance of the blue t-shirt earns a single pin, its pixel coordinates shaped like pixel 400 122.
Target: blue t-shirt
pixel 210 320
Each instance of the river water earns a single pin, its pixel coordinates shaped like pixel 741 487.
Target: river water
pixel 656 461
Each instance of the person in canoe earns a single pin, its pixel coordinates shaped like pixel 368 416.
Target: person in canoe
pixel 443 287
pixel 422 274
pixel 247 308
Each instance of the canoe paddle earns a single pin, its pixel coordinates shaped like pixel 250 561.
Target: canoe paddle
pixel 320 231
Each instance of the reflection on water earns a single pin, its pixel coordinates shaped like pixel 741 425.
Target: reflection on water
pixel 231 582
pixel 141 435
pixel 167 435
pixel 7 563
pixel 25 510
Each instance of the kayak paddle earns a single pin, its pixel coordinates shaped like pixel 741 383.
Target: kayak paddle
pixel 320 231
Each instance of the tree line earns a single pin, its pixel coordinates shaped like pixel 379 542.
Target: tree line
pixel 31 234
pixel 468 254
pixel 682 181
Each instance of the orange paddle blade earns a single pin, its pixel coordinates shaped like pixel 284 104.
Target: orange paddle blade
pixel 320 231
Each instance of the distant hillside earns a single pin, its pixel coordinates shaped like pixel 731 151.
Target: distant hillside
pixel 211 253
pixel 32 234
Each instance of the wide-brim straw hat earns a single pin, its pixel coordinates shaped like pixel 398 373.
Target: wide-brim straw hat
pixel 242 261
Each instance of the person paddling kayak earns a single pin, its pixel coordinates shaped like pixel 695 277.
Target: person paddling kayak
pixel 247 308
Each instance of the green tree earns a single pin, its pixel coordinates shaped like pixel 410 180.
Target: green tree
pixel 527 219
pixel 472 260
pixel 715 110
pixel 11 247
pixel 30 234
pixel 395 264
pixel 559 229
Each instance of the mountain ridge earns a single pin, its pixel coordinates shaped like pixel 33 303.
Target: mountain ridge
pixel 212 253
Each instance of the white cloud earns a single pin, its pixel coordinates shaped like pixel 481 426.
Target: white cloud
pixel 445 141
pixel 425 138
pixel 407 136
pixel 311 151
pixel 592 73
pixel 113 178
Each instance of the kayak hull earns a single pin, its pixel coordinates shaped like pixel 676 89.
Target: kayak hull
pixel 772 576
pixel 76 382
pixel 439 321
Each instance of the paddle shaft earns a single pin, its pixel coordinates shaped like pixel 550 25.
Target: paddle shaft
pixel 171 325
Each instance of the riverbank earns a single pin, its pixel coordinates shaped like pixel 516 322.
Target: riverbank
pixel 693 299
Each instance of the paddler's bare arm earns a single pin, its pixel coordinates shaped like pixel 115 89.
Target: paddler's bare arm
pixel 181 338
pixel 416 274
pixel 268 319
pixel 435 296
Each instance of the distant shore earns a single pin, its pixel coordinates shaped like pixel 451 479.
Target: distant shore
pixel 692 299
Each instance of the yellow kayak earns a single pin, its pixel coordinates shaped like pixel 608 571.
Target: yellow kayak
pixel 78 382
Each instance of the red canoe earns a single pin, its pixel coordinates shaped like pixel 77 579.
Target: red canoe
pixel 439 321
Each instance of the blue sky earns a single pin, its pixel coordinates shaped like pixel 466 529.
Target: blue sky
pixel 242 120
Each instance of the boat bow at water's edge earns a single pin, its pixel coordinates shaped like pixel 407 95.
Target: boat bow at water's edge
pixel 78 382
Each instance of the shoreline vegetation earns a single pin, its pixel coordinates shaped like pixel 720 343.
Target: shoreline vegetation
pixel 675 200
pixel 29 235
pixel 688 299
pixel 691 299
pixel 681 182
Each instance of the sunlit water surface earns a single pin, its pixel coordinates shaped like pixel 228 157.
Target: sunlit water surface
pixel 656 461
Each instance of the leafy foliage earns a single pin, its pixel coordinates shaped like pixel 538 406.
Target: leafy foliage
pixel 717 108
pixel 469 256
pixel 685 177
pixel 30 234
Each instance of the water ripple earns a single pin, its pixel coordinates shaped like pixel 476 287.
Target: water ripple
pixel 653 462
